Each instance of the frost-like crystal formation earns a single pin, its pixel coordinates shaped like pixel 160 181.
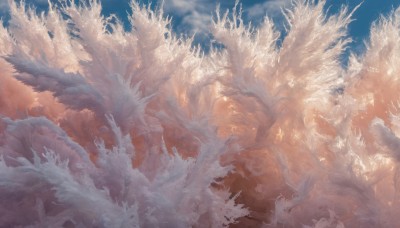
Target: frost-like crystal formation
pixel 102 127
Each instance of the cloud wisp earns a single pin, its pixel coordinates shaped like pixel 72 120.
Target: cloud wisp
pixel 271 8
pixel 195 15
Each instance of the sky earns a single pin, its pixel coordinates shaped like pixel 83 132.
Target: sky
pixel 194 16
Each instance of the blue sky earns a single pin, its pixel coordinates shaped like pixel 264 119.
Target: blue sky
pixel 194 16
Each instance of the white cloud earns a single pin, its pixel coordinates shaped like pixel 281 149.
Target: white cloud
pixel 270 8
pixel 195 14
pixel 180 6
pixel 4 7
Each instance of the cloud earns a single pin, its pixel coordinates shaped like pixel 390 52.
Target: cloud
pixel 195 15
pixel 270 8
pixel 4 7
pixel 180 6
